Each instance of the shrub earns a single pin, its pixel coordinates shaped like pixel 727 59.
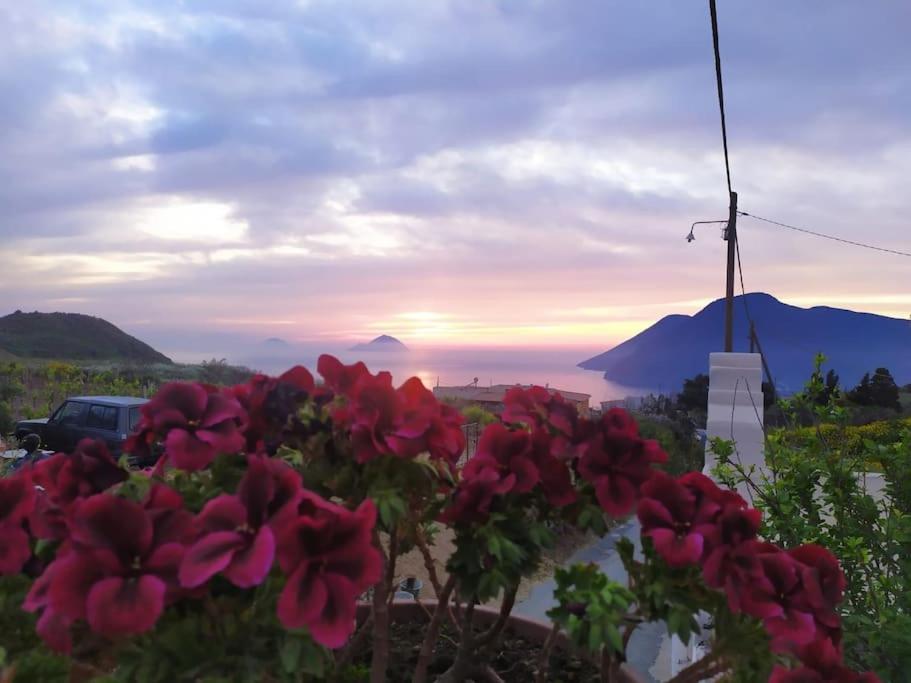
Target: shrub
pixel 811 493
pixel 278 504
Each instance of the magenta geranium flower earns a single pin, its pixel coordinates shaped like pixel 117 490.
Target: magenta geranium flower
pixel 195 421
pixel 327 553
pixel 556 479
pixel 481 483
pixel 778 600
pixel 116 572
pixel 537 407
pixel 821 663
pixel 732 561
pixel 424 424
pixel 17 499
pixel 822 581
pixel 342 379
pixel 88 470
pixel 617 461
pixel 511 452
pixel 270 401
pixel 236 539
pixel 53 627
pixel 677 517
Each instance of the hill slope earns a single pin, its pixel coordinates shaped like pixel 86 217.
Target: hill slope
pixel 382 343
pixel 678 346
pixel 71 336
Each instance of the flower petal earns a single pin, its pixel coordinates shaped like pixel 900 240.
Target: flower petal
pixel 251 564
pixel 118 607
pixel 208 556
pixel 335 622
pixel 303 598
pixel 14 548
pixel 186 452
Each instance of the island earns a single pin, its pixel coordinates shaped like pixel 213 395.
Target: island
pixel 382 343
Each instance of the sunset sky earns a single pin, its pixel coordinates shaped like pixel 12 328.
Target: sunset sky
pixel 467 172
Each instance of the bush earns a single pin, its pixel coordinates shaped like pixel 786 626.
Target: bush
pixel 279 504
pixel 811 493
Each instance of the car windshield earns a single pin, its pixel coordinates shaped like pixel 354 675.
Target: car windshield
pixel 135 417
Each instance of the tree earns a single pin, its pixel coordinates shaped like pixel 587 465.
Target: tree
pixel 879 390
pixel 695 394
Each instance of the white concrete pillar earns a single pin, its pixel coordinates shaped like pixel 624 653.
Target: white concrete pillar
pixel 735 410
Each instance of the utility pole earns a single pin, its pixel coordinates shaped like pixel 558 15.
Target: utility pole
pixel 730 234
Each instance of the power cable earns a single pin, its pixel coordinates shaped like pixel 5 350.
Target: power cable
pixel 724 130
pixel 824 236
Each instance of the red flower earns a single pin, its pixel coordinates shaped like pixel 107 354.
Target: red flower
pixel 328 556
pixel 386 421
pixel 54 628
pixel 88 470
pixel 678 515
pixel 733 562
pixel 118 570
pixel 778 599
pixel 617 461
pixel 537 407
pixel 556 479
pixel 510 452
pixel 17 499
pixel 270 402
pixel 821 664
pixel 823 582
pixel 236 538
pixel 342 379
pixel 195 421
pixel 425 424
pixel 471 501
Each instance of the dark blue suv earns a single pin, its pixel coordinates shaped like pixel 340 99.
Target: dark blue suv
pixel 109 418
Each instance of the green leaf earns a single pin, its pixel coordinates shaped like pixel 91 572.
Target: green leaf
pixel 290 654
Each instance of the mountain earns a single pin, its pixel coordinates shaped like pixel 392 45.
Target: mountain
pixel 276 342
pixel 71 336
pixel 382 343
pixel 678 346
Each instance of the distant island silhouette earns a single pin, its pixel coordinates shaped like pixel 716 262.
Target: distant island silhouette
pixel 677 346
pixel 382 343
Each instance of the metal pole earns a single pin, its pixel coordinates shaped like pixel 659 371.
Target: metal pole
pixel 730 234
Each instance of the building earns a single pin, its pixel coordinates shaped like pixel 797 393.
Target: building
pixel 627 403
pixel 491 397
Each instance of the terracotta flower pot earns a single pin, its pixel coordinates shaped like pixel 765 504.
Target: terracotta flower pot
pixel 531 630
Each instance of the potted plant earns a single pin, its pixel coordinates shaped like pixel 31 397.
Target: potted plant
pixel 280 508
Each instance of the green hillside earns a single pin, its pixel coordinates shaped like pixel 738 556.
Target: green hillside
pixel 71 336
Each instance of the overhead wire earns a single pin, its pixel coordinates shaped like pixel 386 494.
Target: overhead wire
pixel 724 128
pixel 823 235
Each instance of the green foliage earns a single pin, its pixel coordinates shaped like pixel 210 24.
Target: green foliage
pixel 591 607
pixel 233 639
pixel 814 492
pixel 678 439
pixel 478 415
pixel 21 648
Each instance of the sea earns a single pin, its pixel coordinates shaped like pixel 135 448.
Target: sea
pixel 556 368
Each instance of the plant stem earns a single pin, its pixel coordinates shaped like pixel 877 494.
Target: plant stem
pixel 465 661
pixel 354 644
pixel 544 656
pixel 393 557
pixel 380 660
pixel 433 631
pixel 489 637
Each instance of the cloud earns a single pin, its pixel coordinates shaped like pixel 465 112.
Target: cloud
pixel 507 165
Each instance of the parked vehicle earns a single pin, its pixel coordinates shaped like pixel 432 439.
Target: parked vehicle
pixel 110 418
